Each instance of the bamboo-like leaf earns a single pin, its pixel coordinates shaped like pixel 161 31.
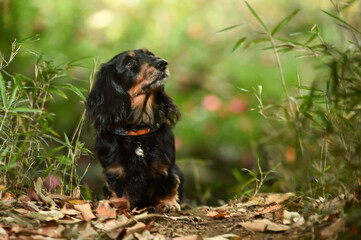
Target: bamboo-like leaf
pixel 288 41
pixel 259 40
pixel 26 110
pixel 258 18
pixel 284 22
pixel 72 88
pixel 3 91
pixel 259 167
pixel 60 93
pixel 229 28
pixel 313 37
pixel 250 172
pixel 13 95
pixel 238 44
pixel 341 21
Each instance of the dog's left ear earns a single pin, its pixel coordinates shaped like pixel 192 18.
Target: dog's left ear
pixel 108 103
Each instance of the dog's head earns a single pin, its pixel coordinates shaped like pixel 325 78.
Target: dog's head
pixel 129 89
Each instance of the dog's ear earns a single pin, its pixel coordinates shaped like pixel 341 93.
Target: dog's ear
pixel 108 103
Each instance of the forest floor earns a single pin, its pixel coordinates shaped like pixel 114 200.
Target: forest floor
pixel 37 215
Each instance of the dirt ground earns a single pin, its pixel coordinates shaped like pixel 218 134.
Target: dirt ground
pixel 37 215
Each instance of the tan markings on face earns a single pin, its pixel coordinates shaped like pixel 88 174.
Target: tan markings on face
pixel 120 202
pixel 131 53
pixel 144 50
pixel 158 169
pixel 169 203
pixel 146 75
pixel 116 170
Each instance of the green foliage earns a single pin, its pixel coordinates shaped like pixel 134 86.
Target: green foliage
pixel 29 146
pixel 315 135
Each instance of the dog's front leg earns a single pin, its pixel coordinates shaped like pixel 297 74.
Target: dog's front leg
pixel 167 196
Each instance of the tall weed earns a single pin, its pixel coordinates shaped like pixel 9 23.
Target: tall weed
pixel 29 146
pixel 316 134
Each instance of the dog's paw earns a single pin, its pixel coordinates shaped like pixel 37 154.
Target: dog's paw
pixel 168 205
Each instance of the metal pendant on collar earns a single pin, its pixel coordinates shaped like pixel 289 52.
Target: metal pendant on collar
pixel 139 151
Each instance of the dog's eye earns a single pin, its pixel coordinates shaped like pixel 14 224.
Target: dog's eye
pixel 130 63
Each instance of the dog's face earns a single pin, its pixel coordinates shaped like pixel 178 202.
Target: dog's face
pixel 129 90
pixel 139 71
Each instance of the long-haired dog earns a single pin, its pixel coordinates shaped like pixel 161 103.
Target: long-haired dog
pixel 133 118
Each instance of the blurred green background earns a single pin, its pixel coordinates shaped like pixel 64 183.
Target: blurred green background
pixel 218 129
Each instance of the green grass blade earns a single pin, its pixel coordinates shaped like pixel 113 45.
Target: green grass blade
pixel 258 18
pixel 341 21
pixel 238 44
pixel 284 22
pixel 250 172
pixel 260 40
pixel 13 95
pixel 259 167
pixel 25 110
pixel 3 91
pixel 229 28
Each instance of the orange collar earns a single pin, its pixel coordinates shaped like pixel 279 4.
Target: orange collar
pixel 139 132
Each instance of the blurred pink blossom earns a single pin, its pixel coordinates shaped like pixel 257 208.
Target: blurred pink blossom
pixel 237 105
pixel 51 182
pixel 211 103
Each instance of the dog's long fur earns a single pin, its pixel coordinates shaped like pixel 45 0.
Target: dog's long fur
pixel 129 96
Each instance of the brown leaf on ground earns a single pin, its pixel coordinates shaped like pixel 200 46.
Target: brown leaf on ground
pixel 104 211
pixel 38 185
pixel 137 228
pixel 32 195
pixel 69 211
pixel 7 196
pixel 111 224
pixel 85 210
pixel 271 208
pixel 218 214
pixel 224 237
pixel 263 225
pixel 77 202
pixel 190 237
pixel 333 229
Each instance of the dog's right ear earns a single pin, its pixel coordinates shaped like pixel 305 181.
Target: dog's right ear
pixel 108 103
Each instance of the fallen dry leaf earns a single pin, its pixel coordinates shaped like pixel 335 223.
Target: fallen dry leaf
pixel 333 229
pixel 272 208
pixel 85 210
pixel 88 232
pixel 190 237
pixel 223 237
pixel 32 195
pixel 7 196
pixel 38 185
pixel 46 215
pixel 138 227
pixel 293 218
pixel 77 202
pixel 69 220
pixel 218 214
pixel 69 211
pixel 112 224
pixel 278 197
pixel 51 230
pixel 104 211
pixel 263 225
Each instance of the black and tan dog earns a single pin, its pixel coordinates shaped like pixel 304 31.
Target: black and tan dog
pixel 133 118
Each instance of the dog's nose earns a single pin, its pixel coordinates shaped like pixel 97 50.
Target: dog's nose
pixel 162 65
